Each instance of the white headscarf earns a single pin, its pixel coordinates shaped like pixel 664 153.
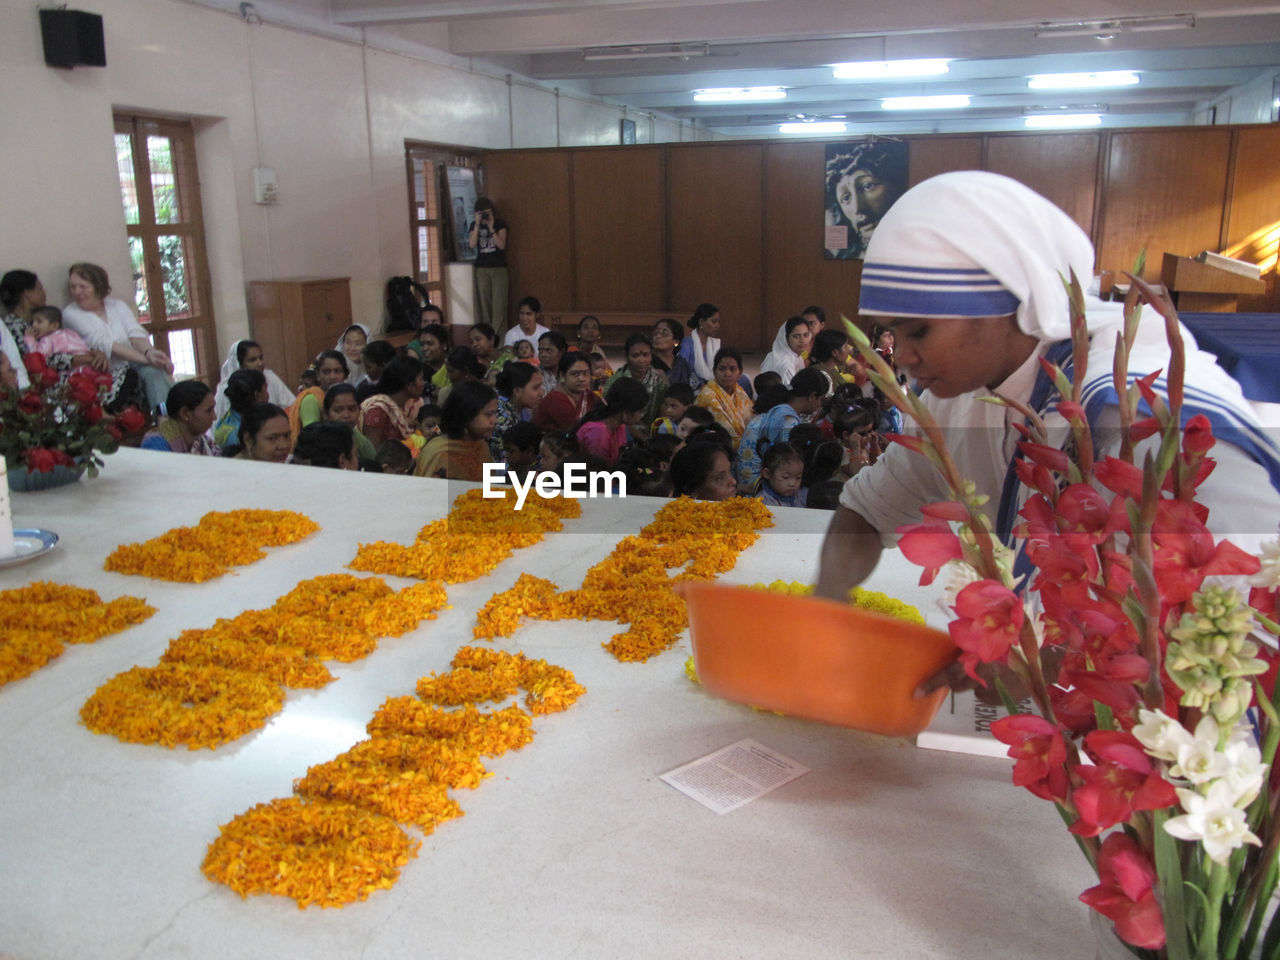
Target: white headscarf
pixel 355 368
pixel 278 391
pixel 781 359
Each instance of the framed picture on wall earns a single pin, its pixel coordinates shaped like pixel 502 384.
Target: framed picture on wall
pixel 460 188
pixel 626 132
pixel 863 178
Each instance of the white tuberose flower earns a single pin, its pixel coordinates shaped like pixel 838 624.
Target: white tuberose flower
pixel 1162 736
pixel 1214 820
pixel 1199 761
pixel 1269 575
pixel 1246 772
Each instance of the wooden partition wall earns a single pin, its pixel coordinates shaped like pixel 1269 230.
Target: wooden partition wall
pixel 661 228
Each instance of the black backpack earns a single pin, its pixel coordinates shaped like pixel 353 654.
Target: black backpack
pixel 405 300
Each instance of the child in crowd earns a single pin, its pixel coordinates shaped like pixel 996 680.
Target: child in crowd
pixel 556 448
pixel 763 381
pixel 825 495
pixel 679 398
pixel 307 379
pixel 693 418
pixel 49 337
pixel 341 406
pixel 889 417
pixel 375 356
pixel 778 410
pixel 600 372
pixel 526 352
pixel 854 426
pixel 782 476
pixel 520 449
pixel 646 466
pixel 703 469
pixel 394 457
pixel 326 443
pixel 427 429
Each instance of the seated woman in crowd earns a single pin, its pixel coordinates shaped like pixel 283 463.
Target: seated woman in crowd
pixel 377 354
pixel 698 349
pixel 341 406
pixel 264 435
pixel 430 346
pixel 565 406
pixel 603 432
pixel 528 324
pixel 639 367
pixel 242 390
pixel 702 469
pixel 778 410
pixel 330 367
pixel 484 344
pixel 109 326
pixel 816 317
pixel 519 393
pixel 665 341
pixel 724 396
pixel 830 356
pixel 392 412
pixel 467 419
pixel 431 316
pixel 351 345
pixel 589 339
pixel 327 443
pixel 21 293
pixel 552 348
pixel 460 364
pixel 186 428
pixel 248 355
pixel 790 347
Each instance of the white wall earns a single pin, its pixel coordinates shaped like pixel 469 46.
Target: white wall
pixel 329 115
pixel 1248 103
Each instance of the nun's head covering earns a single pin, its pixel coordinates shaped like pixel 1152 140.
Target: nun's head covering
pixel 975 244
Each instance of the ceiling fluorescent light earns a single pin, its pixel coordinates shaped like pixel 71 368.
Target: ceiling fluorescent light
pixel 681 51
pixel 949 101
pixel 1058 121
pixel 739 94
pixel 813 127
pixel 1093 28
pixel 1082 81
pixel 889 69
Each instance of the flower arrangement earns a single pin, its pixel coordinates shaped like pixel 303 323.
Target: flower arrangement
pixel 1151 732
pixel 60 421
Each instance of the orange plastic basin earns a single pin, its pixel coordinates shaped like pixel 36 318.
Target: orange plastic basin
pixel 816 659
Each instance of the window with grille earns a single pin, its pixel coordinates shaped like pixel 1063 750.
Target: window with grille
pixel 159 186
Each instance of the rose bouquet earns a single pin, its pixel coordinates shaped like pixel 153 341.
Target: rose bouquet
pixel 1152 732
pixel 60 420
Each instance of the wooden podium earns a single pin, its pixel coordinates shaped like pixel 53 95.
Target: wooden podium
pixel 1200 288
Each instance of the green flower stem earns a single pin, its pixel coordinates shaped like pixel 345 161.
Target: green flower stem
pixel 1218 882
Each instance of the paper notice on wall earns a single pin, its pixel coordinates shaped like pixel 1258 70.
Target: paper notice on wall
pixel 734 775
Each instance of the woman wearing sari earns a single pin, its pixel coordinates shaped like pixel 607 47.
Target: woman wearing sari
pixel 467 420
pixel 391 413
pixel 789 348
pixel 330 367
pixel 724 396
pixel 571 400
pixel 698 349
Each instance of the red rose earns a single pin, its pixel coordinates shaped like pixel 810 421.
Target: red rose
pixel 48 377
pixel 82 391
pixel 114 431
pixel 30 402
pixel 92 413
pixel 36 363
pixel 39 459
pixel 131 420
pixel 62 458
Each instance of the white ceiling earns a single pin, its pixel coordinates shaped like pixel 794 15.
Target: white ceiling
pixel 742 43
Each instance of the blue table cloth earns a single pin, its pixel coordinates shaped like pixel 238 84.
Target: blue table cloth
pixel 1247 346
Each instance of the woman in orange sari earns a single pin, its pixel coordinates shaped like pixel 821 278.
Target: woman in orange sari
pixel 330 367
pixel 724 396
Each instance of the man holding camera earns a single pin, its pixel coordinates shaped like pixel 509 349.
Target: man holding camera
pixel 489 238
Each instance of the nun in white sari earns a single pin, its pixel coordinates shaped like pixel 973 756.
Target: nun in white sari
pixel 247 355
pixel 966 269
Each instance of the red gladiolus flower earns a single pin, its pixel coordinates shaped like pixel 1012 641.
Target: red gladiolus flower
pixel 914 444
pixel 946 510
pixel 1185 552
pixel 1039 754
pixel 1121 478
pixel 1051 458
pixel 1125 895
pixel 988 618
pixel 39 459
pixel 35 363
pixel 131 420
pixel 1197 435
pixel 30 402
pixel 929 545
pixel 1123 781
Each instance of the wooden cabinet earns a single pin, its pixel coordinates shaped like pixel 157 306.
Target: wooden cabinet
pixel 294 319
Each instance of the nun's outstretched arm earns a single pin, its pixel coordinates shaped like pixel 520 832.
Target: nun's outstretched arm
pixel 850 552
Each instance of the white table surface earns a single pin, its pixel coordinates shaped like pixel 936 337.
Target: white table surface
pixel 573 848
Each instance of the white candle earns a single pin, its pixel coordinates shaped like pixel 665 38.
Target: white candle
pixel 6 513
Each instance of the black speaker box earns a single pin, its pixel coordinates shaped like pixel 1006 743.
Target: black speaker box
pixel 72 38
